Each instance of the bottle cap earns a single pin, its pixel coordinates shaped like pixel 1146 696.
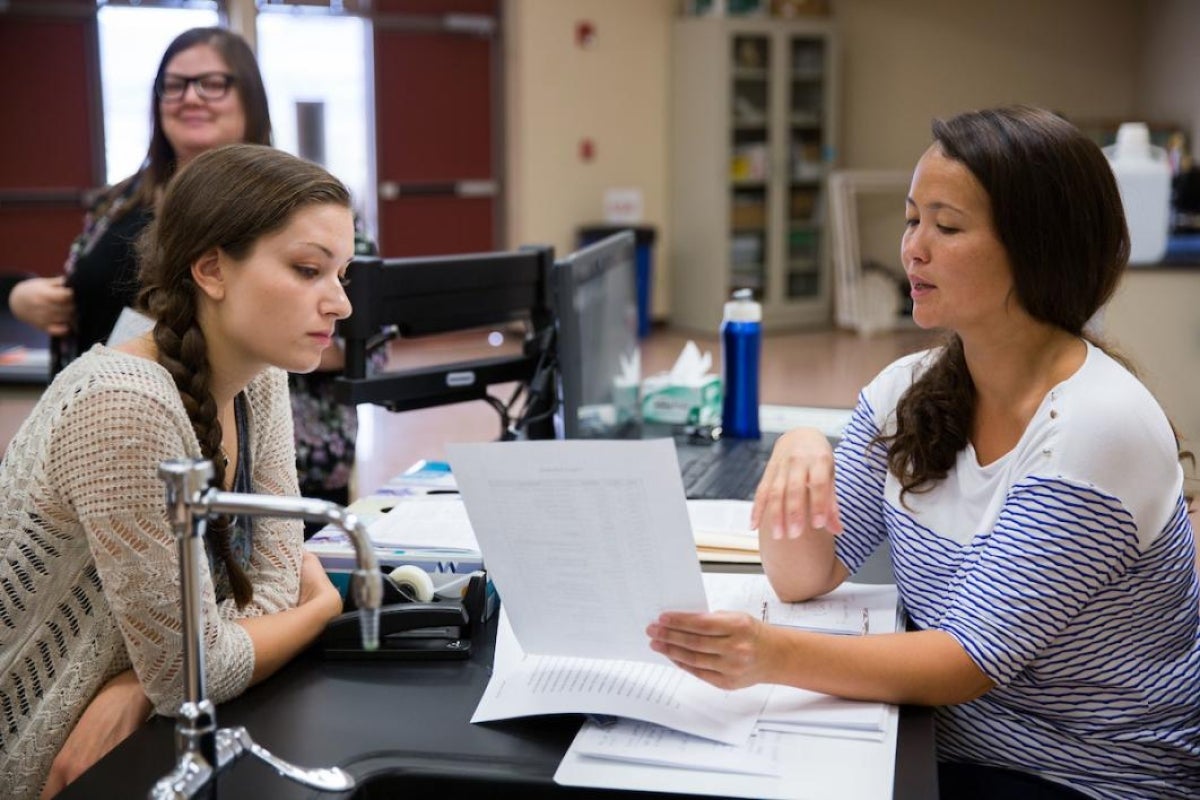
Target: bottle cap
pixel 1133 139
pixel 743 308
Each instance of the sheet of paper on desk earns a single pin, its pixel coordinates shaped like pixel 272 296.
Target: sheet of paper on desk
pixel 587 541
pixel 432 521
pixel 852 608
pixel 799 711
pixel 647 743
pixel 525 685
pixel 829 421
pixel 722 524
pixel 813 767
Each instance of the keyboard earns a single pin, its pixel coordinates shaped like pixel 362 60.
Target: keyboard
pixel 728 470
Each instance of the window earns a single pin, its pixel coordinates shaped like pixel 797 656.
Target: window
pixel 316 70
pixel 315 65
pixel 132 41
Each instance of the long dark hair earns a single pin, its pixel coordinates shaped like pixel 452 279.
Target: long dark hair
pixel 161 161
pixel 1057 212
pixel 227 198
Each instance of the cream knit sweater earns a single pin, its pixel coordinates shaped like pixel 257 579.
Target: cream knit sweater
pixel 89 582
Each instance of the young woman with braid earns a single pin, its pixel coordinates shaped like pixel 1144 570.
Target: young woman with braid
pixel 1028 484
pixel 241 270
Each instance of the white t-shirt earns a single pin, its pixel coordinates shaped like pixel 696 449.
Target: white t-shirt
pixel 1064 569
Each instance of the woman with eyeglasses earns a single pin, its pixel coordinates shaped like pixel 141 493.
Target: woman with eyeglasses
pixel 207 92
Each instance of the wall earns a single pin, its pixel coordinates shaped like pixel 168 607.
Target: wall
pixel 613 92
pixel 1166 352
pixel 1169 85
pixel 906 63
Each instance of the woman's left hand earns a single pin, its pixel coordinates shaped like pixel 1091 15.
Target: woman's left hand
pixel 117 710
pixel 728 649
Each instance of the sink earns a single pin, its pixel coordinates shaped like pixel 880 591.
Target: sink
pixel 396 776
pixel 403 775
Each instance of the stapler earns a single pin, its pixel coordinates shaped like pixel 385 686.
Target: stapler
pixel 432 631
pixel 413 631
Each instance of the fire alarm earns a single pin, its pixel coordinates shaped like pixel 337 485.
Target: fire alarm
pixel 585 33
pixel 587 149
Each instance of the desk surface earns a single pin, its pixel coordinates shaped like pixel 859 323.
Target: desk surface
pixel 408 717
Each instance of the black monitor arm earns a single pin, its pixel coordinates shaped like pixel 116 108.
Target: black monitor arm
pixel 424 296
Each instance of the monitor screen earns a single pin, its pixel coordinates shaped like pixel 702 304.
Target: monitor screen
pixel 599 360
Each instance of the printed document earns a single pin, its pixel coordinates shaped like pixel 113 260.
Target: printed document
pixel 645 743
pixel 587 542
pixel 436 522
pixel 811 767
pixel 526 685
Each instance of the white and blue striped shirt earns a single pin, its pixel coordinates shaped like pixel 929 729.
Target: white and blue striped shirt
pixel 1064 569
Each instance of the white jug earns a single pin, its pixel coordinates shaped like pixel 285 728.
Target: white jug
pixel 1144 178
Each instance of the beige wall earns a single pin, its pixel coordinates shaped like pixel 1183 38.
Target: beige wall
pixel 1169 86
pixel 613 92
pixel 1166 351
pixel 907 62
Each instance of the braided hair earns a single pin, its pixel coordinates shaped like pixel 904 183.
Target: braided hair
pixel 226 199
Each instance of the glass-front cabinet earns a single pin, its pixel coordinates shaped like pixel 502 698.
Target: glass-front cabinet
pixel 752 142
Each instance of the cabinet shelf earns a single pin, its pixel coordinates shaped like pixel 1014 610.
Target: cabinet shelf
pixel 806 120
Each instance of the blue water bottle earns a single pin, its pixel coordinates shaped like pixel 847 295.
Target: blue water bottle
pixel 741 342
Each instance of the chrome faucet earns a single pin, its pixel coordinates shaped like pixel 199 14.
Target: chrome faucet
pixel 202 750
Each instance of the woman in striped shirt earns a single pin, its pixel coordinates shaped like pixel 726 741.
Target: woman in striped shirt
pixel 1028 484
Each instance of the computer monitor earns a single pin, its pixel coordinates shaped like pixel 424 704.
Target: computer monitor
pixel 594 294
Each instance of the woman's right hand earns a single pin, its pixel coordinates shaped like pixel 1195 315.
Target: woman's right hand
pixel 796 492
pixel 45 303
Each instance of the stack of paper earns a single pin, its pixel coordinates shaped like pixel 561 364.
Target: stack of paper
pixel 588 542
pixel 722 531
pixel 640 757
pixel 431 531
pixel 804 744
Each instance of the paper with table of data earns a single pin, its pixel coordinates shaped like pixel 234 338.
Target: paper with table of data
pixel 587 542
pixel 525 685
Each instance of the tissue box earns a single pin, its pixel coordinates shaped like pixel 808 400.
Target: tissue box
pixel 697 402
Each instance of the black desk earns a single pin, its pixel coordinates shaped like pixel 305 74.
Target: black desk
pixel 408 717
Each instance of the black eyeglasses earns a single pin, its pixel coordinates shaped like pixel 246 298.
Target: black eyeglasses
pixel 209 86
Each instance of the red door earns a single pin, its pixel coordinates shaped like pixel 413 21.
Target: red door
pixel 436 125
pixel 52 139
